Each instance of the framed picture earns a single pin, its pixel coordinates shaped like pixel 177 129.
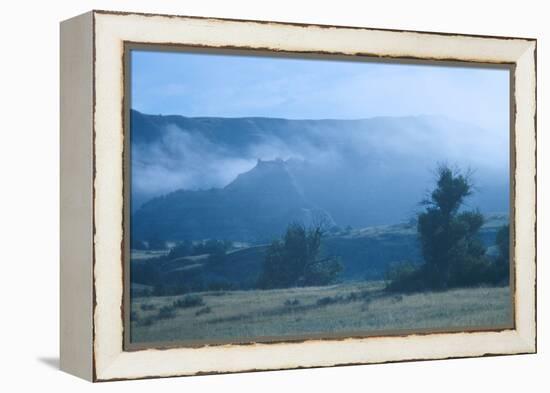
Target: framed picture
pixel 245 195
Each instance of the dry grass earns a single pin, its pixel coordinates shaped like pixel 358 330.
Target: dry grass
pixel 243 315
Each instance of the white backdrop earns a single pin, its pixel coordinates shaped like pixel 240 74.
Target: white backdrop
pixel 29 195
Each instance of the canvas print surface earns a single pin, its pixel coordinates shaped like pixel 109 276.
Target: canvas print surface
pixel 281 198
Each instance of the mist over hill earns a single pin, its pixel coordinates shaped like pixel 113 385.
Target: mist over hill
pixel 255 207
pixel 204 173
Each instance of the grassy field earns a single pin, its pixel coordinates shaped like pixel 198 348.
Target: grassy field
pixel 357 307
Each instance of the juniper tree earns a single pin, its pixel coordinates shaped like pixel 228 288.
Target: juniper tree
pixel 452 250
pixel 295 260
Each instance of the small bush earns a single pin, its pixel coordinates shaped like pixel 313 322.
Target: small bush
pixel 365 305
pixel 399 270
pixel 188 301
pixel 405 277
pixel 166 312
pixel 328 300
pixel 204 310
pixel 397 298
pixel 355 296
pixel 292 303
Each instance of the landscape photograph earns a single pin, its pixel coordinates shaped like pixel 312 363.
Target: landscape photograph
pixel 280 198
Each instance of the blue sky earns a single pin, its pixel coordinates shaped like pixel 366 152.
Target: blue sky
pixel 238 86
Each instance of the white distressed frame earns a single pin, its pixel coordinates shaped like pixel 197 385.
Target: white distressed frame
pixel 111 30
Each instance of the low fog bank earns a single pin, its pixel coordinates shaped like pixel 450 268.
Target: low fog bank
pixel 364 172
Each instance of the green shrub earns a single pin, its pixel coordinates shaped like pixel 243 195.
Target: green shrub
pixel 188 301
pixel 166 312
pixel 397 299
pixel 204 310
pixel 454 255
pixel 405 277
pixel 328 300
pixel 357 295
pixel 292 303
pixel 295 260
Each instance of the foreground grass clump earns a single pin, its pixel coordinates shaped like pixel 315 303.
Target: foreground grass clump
pixel 327 300
pixel 292 302
pixel 188 301
pixel 202 311
pixel 166 312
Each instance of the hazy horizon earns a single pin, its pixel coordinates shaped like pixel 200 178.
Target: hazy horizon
pixel 293 88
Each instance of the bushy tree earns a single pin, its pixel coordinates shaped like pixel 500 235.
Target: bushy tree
pixel 453 253
pixel 295 260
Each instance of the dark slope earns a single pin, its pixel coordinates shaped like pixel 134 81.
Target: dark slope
pixel 256 207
